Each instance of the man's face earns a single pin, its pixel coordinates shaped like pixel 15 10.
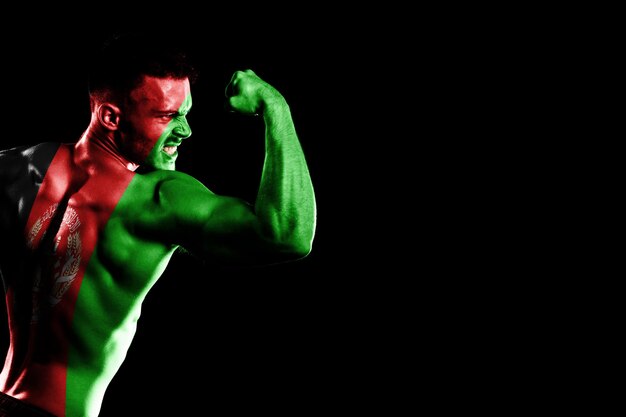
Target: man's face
pixel 155 121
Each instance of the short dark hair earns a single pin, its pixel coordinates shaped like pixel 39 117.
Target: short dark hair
pixel 118 67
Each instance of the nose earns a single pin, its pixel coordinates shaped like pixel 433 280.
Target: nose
pixel 182 128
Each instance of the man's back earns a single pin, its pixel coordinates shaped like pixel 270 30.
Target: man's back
pixel 78 272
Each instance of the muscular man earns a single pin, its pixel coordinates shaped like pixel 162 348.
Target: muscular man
pixel 86 235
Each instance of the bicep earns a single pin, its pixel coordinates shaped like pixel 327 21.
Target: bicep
pixel 221 228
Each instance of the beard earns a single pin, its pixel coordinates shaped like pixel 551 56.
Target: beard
pixel 133 147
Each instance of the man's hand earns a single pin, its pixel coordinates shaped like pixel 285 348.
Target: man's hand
pixel 248 94
pixel 280 225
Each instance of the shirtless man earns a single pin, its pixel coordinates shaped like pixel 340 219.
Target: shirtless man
pixel 85 235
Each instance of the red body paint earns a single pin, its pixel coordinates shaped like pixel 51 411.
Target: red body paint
pixel 82 204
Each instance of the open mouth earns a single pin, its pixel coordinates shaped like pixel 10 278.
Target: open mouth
pixel 170 150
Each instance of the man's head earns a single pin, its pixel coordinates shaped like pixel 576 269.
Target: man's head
pixel 139 89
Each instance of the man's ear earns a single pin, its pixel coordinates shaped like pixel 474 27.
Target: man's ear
pixel 109 116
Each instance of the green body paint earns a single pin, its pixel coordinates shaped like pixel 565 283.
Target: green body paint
pixel 125 266
pixel 119 229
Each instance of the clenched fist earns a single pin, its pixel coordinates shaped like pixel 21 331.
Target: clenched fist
pixel 248 94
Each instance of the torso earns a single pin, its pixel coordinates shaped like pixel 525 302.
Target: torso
pixel 72 321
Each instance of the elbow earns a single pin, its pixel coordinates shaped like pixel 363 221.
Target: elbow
pixel 301 249
pixel 301 242
pixel 292 243
pixel 295 249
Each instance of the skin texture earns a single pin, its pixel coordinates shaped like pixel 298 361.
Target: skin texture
pixel 157 114
pixel 73 312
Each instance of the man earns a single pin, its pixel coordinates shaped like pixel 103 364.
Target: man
pixel 87 233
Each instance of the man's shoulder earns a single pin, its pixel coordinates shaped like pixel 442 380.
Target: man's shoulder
pixel 160 178
pixel 30 151
pixel 161 186
pixel 38 157
pixel 158 196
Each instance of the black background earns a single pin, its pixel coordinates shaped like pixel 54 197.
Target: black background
pixel 416 126
pixel 285 338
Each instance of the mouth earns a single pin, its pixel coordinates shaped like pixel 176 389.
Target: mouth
pixel 171 148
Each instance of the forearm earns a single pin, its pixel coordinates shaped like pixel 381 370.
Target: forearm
pixel 285 204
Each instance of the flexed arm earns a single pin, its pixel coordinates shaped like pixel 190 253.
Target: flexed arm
pixel 285 203
pixel 280 225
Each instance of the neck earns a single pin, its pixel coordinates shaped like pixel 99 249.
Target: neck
pixel 100 148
